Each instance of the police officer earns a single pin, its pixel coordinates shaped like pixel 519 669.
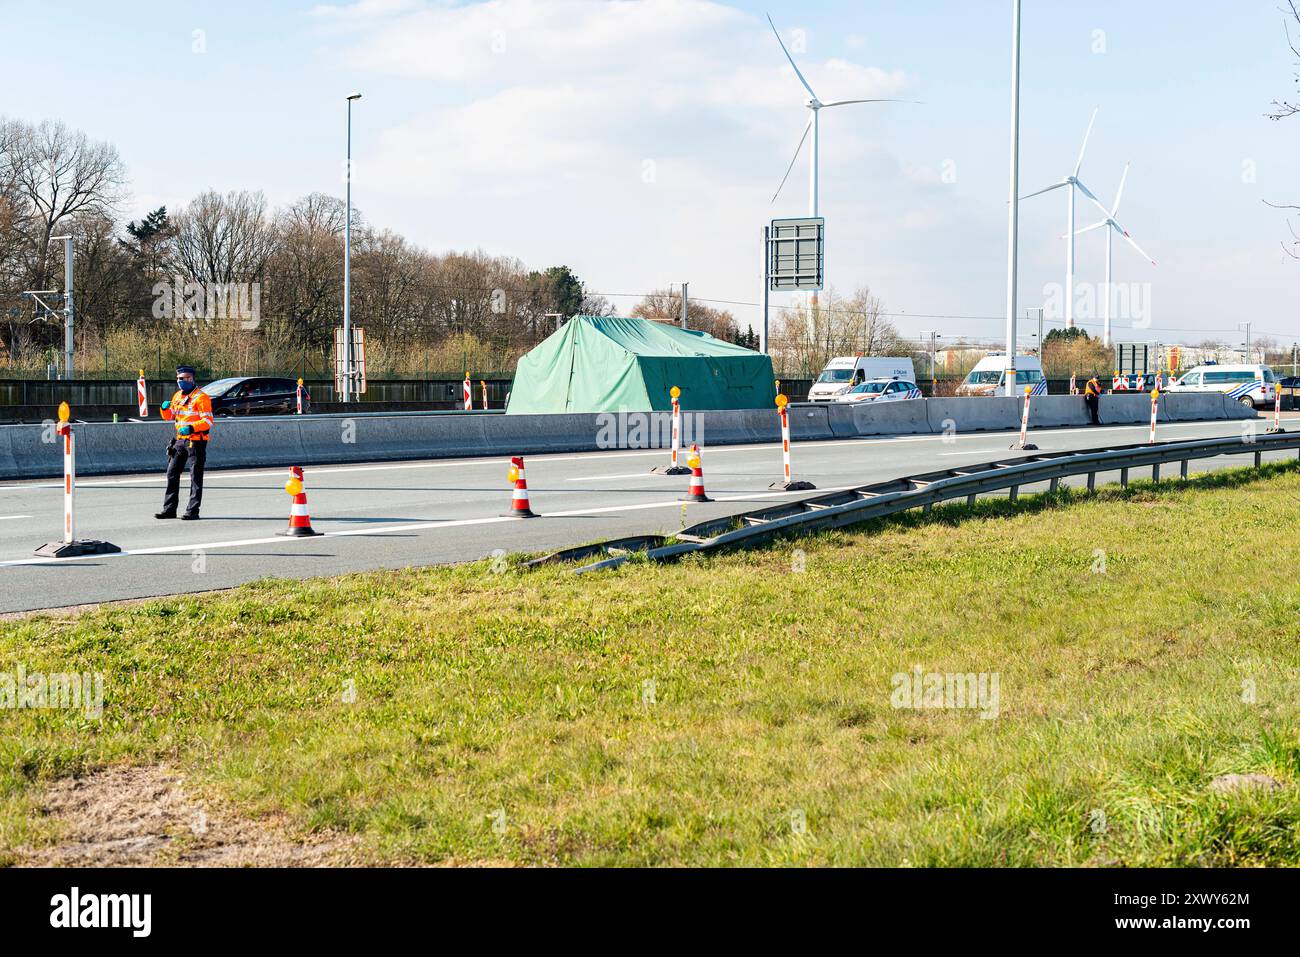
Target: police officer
pixel 191 409
pixel 1092 398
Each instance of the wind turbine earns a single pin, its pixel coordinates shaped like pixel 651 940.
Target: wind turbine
pixel 816 106
pixel 1115 227
pixel 1073 182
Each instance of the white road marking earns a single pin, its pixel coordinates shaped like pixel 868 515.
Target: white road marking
pixel 602 478
pixel 10 518
pixel 389 529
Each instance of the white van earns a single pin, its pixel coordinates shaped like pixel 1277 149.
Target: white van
pixel 844 372
pixel 1252 385
pixel 989 376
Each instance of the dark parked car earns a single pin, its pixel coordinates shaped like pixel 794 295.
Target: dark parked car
pixel 256 396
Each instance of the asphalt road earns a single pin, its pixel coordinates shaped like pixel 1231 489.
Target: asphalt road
pixel 399 514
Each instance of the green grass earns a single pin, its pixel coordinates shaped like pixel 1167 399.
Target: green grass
pixel 1121 694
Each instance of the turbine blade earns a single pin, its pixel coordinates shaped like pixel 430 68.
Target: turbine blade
pixel 790 58
pixel 843 102
pixel 1091 195
pixel 1088 229
pixel 1129 239
pixel 1083 149
pixel 797 150
pixel 1047 189
pixel 1120 192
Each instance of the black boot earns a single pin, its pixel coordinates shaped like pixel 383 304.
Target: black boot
pixel 171 514
pixel 190 517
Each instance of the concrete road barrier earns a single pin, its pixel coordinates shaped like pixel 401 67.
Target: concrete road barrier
pixel 984 414
pixel 105 448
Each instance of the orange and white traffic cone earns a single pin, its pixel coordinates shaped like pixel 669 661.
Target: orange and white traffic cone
pixel 299 519
pixel 519 502
pixel 696 492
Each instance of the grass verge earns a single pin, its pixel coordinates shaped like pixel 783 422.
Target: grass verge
pixel 736 710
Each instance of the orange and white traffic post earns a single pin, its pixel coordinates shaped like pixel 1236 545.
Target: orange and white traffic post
pixel 1277 408
pixel 299 519
pixel 519 499
pixel 1074 390
pixel 787 482
pixel 1155 405
pixel 483 383
pixel 298 393
pixel 696 492
pixel 467 395
pixel 675 468
pixel 142 395
pixel 70 546
pixel 1024 442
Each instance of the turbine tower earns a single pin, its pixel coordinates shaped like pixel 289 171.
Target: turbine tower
pixel 1073 182
pixel 1115 227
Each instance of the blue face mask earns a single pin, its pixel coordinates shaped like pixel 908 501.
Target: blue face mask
pixel 185 385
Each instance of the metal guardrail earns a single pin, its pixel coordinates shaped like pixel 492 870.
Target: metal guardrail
pixel 867 502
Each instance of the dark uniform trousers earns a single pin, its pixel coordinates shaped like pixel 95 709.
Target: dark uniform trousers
pixel 178 453
pixel 1092 400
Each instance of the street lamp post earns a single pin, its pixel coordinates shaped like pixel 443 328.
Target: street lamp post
pixel 934 347
pixel 347 266
pixel 1013 221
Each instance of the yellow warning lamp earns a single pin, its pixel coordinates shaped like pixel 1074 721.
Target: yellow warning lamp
pixel 514 473
pixel 1028 389
pixel 293 486
pixel 141 373
pixel 300 381
pixel 694 460
pixel 781 400
pixel 675 392
pixel 64 413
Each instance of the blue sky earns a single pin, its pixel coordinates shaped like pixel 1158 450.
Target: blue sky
pixel 640 142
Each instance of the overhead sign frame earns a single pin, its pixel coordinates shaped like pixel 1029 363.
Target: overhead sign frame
pixel 796 254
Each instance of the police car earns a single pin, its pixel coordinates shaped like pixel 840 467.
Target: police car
pixel 881 390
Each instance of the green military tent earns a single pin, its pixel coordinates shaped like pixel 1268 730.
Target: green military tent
pixel 610 364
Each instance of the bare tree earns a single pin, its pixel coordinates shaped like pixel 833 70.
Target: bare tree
pixel 59 173
pixel 306 271
pixel 224 239
pixel 806 338
pixel 664 305
pixel 1285 108
pixel 1282 109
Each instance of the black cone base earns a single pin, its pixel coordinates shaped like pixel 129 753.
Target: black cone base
pixel 695 498
pixel 671 470
pixel 74 549
pixel 521 513
pixel 307 532
pixel 794 486
pixel 1027 447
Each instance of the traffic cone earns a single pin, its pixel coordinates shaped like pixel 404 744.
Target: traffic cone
pixel 696 493
pixel 519 502
pixel 299 519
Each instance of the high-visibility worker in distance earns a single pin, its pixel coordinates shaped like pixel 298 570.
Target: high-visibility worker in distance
pixel 191 409
pixel 1092 398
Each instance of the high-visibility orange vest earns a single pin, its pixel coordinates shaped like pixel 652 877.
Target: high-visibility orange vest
pixel 1093 387
pixel 194 410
